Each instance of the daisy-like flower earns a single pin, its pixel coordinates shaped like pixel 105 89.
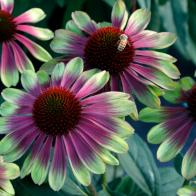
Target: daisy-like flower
pixel 13 58
pixel 8 171
pixel 176 124
pixel 63 119
pixel 125 52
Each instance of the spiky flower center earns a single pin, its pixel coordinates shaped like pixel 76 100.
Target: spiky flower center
pixel 56 111
pixel 7 26
pixel 190 98
pixel 106 50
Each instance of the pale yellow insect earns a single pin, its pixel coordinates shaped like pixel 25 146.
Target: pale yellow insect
pixel 122 43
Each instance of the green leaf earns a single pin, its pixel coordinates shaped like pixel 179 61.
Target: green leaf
pixel 171 181
pixel 139 164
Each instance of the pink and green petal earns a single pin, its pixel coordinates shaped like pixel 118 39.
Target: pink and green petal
pixel 84 22
pixel 7 5
pixel 119 14
pixel 57 172
pixel 4 127
pixel 141 91
pixel 79 170
pixel 156 55
pixel 30 82
pixel 33 15
pixel 68 43
pixel 57 74
pixel 43 77
pixel 189 162
pixel 9 72
pixel 11 170
pixel 36 50
pixel 71 26
pixel 73 69
pixel 21 59
pixel 40 33
pixel 94 84
pixel 165 66
pixel 104 24
pixel 155 76
pixel 82 79
pixel 172 146
pixel 7 108
pixel 86 154
pixel 138 21
pixel 41 163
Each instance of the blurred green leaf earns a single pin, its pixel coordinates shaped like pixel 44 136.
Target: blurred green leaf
pixel 139 164
pixel 145 3
pixel 171 181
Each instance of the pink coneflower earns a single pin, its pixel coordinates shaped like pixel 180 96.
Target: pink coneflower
pixel 64 121
pixel 13 58
pixel 176 124
pixel 8 171
pixel 122 49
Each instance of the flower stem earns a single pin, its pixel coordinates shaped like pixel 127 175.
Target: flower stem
pixel 92 191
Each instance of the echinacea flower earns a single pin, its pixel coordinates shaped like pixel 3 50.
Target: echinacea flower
pixel 12 29
pixel 8 171
pixel 188 190
pixel 176 125
pixel 123 49
pixel 63 118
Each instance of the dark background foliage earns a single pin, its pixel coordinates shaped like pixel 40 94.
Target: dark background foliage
pixel 177 16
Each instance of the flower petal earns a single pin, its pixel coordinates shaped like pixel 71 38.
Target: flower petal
pixel 40 33
pixel 94 84
pixel 84 22
pixel 36 50
pixel 57 173
pixel 138 21
pixel 7 5
pixel 7 108
pixel 189 162
pixel 9 72
pixel 71 26
pixel 21 59
pixel 72 71
pixel 41 163
pixel 33 15
pixel 119 14
pixel 172 146
pixel 11 170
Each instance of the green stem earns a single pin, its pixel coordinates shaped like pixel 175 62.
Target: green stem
pixel 103 180
pixel 92 191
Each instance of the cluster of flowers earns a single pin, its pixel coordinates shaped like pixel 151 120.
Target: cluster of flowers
pixel 75 114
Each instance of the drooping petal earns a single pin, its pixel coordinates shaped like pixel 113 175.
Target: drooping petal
pixel 57 172
pixel 68 43
pixel 36 50
pixel 163 65
pixel 84 22
pixel 72 71
pixel 21 59
pixel 79 170
pixel 71 26
pixel 94 84
pixel 9 72
pixel 33 15
pixel 7 108
pixel 7 188
pixel 142 91
pixel 40 33
pixel 170 147
pixel 189 162
pixel 7 5
pixel 154 75
pixel 119 14
pixel 86 154
pixel 41 163
pixel 138 21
